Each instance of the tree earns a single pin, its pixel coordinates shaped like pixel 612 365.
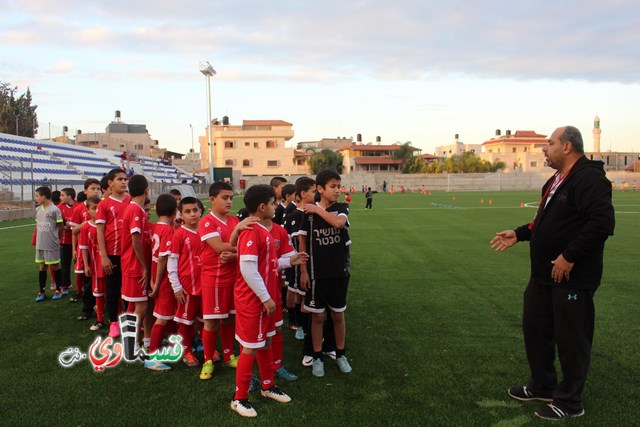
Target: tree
pixel 326 159
pixel 17 116
pixel 404 152
pixel 467 162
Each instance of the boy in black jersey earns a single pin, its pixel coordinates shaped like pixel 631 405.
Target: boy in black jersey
pixel 277 182
pixel 325 278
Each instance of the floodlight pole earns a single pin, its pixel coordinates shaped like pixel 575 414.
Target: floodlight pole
pixel 208 71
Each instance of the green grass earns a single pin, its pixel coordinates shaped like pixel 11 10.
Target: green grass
pixel 433 332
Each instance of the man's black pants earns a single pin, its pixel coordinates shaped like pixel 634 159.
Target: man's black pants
pixel 563 318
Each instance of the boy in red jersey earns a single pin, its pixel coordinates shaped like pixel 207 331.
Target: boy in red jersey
pixel 135 268
pixel 109 223
pixel 219 232
pixel 254 294
pixel 183 267
pixel 67 206
pixel 88 245
pixel 161 291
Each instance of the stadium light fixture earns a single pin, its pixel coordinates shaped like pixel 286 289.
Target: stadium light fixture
pixel 208 71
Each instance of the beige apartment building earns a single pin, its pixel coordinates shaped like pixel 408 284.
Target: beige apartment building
pixel 521 151
pixel 371 158
pixel 457 147
pixel 256 147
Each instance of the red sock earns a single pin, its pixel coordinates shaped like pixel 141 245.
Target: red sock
pixel 276 349
pixel 209 343
pixel 186 332
pixel 200 327
pixel 265 364
pixel 227 338
pixel 244 372
pixel 53 277
pixel 100 309
pixel 172 328
pixel 157 333
pixel 79 284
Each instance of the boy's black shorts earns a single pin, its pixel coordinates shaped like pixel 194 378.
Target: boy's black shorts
pixel 327 294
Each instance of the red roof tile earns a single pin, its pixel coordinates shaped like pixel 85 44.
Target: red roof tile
pixel 301 154
pixel 265 123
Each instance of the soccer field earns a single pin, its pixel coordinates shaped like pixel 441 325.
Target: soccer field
pixel 433 332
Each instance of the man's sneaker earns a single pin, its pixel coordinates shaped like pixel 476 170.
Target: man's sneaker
pixel 155 365
pixel 285 375
pixel 255 384
pixel 41 297
pixel 57 295
pixel 232 362
pixel 53 286
pixel 96 326
pixel 524 394
pixel 299 333
pixel 276 394
pixel 190 360
pixel 307 361
pixel 331 354
pixel 65 290
pixel 244 408
pixel 343 364
pixel 552 412
pixel 207 370
pixel 317 369
pixel 114 329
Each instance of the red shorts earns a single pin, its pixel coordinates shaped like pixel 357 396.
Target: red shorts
pixel 252 328
pixel 191 309
pixel 133 290
pixel 217 303
pixel 165 303
pixel 98 285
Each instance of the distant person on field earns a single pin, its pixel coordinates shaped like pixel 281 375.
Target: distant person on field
pixel 369 196
pixel 50 230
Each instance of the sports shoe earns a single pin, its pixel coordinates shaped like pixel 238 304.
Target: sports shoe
pixel 232 362
pixel 154 365
pixel 57 295
pixel 244 408
pixel 96 326
pixel 299 333
pixel 41 297
pixel 276 394
pixel 255 384
pixel 216 357
pixel 317 369
pixel 285 375
pixel 114 329
pixel 53 286
pixel 65 290
pixel 552 412
pixel 292 327
pixel 343 364
pixel 524 394
pixel 84 316
pixel 75 298
pixel 307 361
pixel 331 354
pixel 190 360
pixel 207 370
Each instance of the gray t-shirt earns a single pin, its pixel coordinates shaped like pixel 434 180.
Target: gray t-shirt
pixel 47 238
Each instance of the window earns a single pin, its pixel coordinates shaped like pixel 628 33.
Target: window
pixel 300 162
pixel 230 162
pixel 255 145
pixel 513 150
pixel 247 144
pixel 229 144
pixel 272 163
pixel 271 144
pixel 138 147
pixel 491 150
pixel 534 164
pixel 526 149
pixel 246 163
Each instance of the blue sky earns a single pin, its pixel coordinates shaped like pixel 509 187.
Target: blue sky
pixel 406 70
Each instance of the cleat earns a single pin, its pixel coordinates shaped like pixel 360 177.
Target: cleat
pixel 553 413
pixel 207 370
pixel 41 297
pixel 317 369
pixel 154 365
pixel 84 317
pixel 244 408
pixel 255 384
pixel 331 354
pixel 75 298
pixel 292 327
pixel 307 361
pixel 299 333
pixel 343 364
pixel 232 362
pixel 276 394
pixel 525 394
pixel 53 286
pixel 190 360
pixel 65 290
pixel 285 375
pixel 57 295
pixel 114 329
pixel 96 326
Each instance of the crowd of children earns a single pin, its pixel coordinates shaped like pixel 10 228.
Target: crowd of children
pixel 201 274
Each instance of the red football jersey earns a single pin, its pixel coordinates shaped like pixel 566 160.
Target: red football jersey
pixel 216 273
pixel 283 246
pixel 256 245
pixel 67 215
pixel 134 221
pixel 110 213
pixel 88 239
pixel 80 214
pixel 162 238
pixel 187 247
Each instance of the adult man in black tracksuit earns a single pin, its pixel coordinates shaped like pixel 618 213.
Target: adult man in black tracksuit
pixel 567 238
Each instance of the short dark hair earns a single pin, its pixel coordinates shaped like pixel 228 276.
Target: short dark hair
pixel 572 135
pixel 217 187
pixel 94 200
pixel 113 173
pixel 276 181
pixel 257 195
pixel 325 176
pixel 175 192
pixel 44 192
pixel 288 189
pixel 70 192
pixel 137 185
pixel 82 196
pixel 104 183
pixel 166 205
pixel 304 184
pixel 190 201
pixel 91 181
pixel 55 196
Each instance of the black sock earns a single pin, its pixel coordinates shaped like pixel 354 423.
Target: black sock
pixel 298 314
pixel 292 315
pixel 339 353
pixel 317 355
pixel 42 278
pixel 58 275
